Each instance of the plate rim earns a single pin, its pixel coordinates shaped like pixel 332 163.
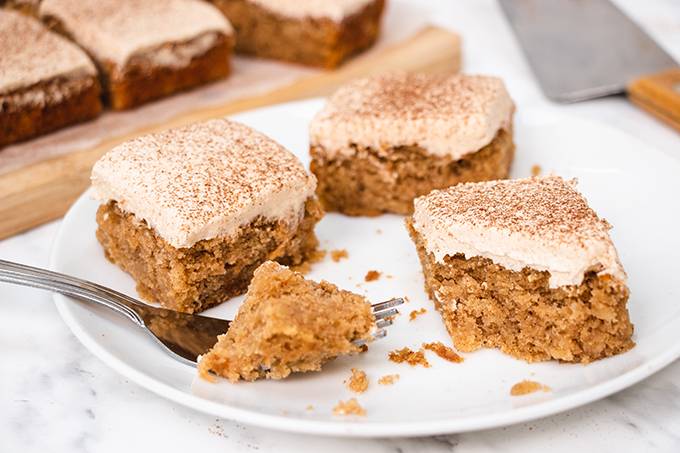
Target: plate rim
pixel 361 429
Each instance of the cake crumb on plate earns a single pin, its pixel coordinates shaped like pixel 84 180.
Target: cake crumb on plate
pixel 312 258
pixel 388 379
pixel 443 351
pixel 349 407
pixel 358 382
pixel 415 313
pixel 413 358
pixel 372 276
pixel 525 387
pixel 337 255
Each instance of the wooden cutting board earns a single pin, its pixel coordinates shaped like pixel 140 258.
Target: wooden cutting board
pixel 43 191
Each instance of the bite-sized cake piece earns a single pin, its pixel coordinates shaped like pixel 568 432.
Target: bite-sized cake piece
pixel 146 49
pixel 382 141
pixel 45 81
pixel 191 212
pixel 310 32
pixel 288 324
pixel 525 266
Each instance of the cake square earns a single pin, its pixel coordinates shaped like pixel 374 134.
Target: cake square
pixel 308 32
pixel 146 49
pixel 45 81
pixel 288 324
pixel 382 141
pixel 191 212
pixel 525 266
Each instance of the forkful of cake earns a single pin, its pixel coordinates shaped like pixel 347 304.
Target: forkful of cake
pixel 286 323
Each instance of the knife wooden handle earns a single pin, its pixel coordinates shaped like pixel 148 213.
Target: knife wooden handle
pixel 659 94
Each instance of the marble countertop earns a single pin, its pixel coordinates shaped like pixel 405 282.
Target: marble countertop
pixel 55 396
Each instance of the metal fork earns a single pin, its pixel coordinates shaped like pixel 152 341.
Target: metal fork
pixel 182 335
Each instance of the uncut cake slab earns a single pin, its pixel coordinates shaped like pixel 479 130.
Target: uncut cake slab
pixel 623 180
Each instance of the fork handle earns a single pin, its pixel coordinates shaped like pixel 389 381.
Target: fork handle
pixel 20 274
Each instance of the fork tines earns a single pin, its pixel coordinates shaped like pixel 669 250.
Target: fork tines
pixel 383 313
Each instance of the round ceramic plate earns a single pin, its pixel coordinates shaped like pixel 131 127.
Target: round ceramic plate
pixel 631 185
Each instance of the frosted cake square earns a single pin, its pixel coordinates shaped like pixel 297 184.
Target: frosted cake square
pixel 146 49
pixel 191 212
pixel 382 141
pixel 525 266
pixel 46 82
pixel 310 32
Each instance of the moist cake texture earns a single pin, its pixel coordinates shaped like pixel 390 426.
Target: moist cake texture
pixel 45 81
pixel 525 266
pixel 149 48
pixel 382 141
pixel 310 32
pixel 191 212
pixel 288 324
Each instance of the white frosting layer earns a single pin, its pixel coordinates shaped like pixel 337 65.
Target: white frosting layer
pixel 566 252
pixel 445 115
pixel 203 181
pixel 30 54
pixel 116 30
pixel 335 10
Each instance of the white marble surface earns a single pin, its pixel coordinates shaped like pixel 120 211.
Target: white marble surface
pixel 56 397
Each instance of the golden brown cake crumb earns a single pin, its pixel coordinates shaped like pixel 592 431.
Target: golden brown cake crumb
pixel 535 170
pixel 413 358
pixel 288 324
pixel 349 407
pixel 525 387
pixel 388 379
pixel 358 382
pixel 313 257
pixel 309 407
pixel 337 255
pixel 415 313
pixel 443 351
pixel 372 276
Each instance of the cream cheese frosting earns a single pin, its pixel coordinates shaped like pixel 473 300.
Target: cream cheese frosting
pixel 30 54
pixel 116 30
pixel 335 10
pixel 445 115
pixel 203 181
pixel 540 223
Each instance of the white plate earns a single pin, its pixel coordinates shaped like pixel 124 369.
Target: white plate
pixel 633 186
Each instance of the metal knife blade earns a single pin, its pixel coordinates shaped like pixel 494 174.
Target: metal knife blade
pixel 582 49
